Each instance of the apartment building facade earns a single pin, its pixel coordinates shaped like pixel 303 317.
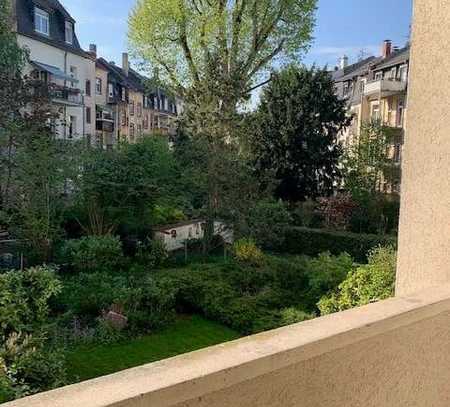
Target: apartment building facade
pixel 376 90
pixel 47 31
pixel 135 108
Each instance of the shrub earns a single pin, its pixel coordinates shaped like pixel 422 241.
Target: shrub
pixel 368 283
pixel 87 295
pixel 312 242
pixel 305 214
pixel 337 211
pixel 325 273
pixel 246 251
pixel 24 299
pixel 150 306
pixel 93 253
pixel 293 315
pixel 29 367
pixel 267 224
pixel 152 254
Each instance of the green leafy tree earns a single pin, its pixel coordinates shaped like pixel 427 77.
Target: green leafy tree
pixel 123 187
pixel 367 163
pixel 296 126
pixel 213 53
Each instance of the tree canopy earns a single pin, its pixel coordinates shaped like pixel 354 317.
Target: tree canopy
pixel 184 39
pixel 295 130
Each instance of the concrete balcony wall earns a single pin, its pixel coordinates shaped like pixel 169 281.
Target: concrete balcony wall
pixel 390 354
pixel 384 87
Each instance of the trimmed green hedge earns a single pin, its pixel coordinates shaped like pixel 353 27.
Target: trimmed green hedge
pixel 312 242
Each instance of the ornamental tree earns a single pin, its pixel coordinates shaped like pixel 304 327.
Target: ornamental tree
pixel 295 133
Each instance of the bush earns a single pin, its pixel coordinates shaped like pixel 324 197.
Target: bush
pixel 293 315
pixel 93 253
pixel 312 242
pixel 24 299
pixel 87 295
pixel 28 367
pixel 368 283
pixel 152 254
pixel 246 251
pixel 267 224
pixel 150 306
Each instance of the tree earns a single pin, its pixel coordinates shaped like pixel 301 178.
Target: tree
pixel 121 187
pixel 212 53
pixel 296 126
pixel 367 163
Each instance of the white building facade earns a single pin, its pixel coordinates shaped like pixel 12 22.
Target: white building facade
pixel 48 32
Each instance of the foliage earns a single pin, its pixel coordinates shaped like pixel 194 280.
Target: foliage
pixel 267 223
pixel 123 187
pixel 24 299
pixel 27 363
pixel 86 295
pixel 375 213
pixel 312 242
pixel 368 163
pixel 296 127
pixel 246 251
pixel 238 38
pixel 152 254
pixel 306 214
pixel 369 283
pixel 337 211
pixel 93 253
pixel 290 316
pixel 28 367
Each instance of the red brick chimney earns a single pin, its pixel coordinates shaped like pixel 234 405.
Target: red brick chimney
pixel 386 49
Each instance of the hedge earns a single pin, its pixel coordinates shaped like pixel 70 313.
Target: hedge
pixel 311 242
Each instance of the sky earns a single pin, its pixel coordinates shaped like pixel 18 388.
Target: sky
pixel 343 27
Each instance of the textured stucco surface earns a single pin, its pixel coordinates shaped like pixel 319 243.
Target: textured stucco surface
pixel 390 354
pixel 424 243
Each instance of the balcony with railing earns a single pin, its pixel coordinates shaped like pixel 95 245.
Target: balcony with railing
pixel 384 87
pixel 65 95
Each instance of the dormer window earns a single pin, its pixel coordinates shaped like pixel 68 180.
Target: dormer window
pixel 41 21
pixel 69 32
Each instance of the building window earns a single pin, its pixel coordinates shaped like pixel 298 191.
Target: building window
pixel 69 32
pixel 124 95
pixel 98 86
pixel 139 109
pixel 173 233
pixel 400 113
pixel 132 108
pixel 139 130
pixel 403 73
pixel 110 90
pixel 379 76
pixel 88 115
pixel 131 131
pixel 155 102
pixel 393 73
pixel 146 122
pixel 88 87
pixel 397 153
pixel 41 21
pixel 124 118
pixel 73 74
pixel 72 126
pixel 375 114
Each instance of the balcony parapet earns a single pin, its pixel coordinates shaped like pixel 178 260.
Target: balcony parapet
pixel 391 353
pixel 384 87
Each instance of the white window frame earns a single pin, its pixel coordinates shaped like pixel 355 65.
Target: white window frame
pixel 110 90
pixel 41 16
pixel 69 32
pixel 98 86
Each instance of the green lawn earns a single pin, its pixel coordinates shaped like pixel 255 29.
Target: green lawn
pixel 186 335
